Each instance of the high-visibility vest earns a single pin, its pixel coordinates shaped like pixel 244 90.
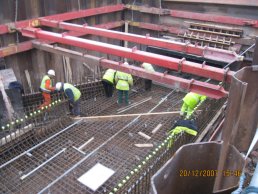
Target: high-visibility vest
pixel 180 129
pixel 148 67
pixel 43 84
pixel 109 75
pixel 192 99
pixel 123 80
pixel 76 91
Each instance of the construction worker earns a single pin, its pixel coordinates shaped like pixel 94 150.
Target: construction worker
pixel 190 101
pixel 123 83
pixel 108 82
pixel 73 95
pixel 147 82
pixel 187 126
pixel 46 87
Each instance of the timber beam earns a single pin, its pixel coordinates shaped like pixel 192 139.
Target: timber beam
pixel 206 52
pixel 210 90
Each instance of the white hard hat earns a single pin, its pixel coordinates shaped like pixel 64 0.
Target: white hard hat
pixel 51 72
pixel 58 86
pixel 126 63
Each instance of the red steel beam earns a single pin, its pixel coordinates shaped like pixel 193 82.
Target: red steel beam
pixel 164 61
pixel 206 52
pixel 16 48
pixel 210 90
pixel 6 28
pixel 196 16
pixel 157 27
pixel 222 2
pixel 27 45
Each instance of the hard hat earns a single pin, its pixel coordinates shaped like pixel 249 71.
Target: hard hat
pixel 51 72
pixel 58 86
pixel 126 63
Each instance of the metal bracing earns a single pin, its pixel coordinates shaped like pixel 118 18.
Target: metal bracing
pixel 211 90
pixel 27 45
pixel 10 27
pixel 196 16
pixel 164 61
pixel 206 52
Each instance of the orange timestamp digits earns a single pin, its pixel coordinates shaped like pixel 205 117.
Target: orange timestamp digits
pixel 208 173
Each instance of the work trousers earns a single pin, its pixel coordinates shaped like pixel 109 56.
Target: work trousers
pixel 148 84
pixel 75 108
pixel 46 99
pixel 122 93
pixel 108 87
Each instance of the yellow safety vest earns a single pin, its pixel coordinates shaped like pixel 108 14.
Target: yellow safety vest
pixel 76 91
pixel 109 75
pixel 43 84
pixel 123 80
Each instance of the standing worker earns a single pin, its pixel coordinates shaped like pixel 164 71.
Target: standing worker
pixel 73 95
pixel 123 83
pixel 108 82
pixel 46 87
pixel 147 82
pixel 190 101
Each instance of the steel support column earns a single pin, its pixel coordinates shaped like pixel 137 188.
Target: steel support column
pixel 164 61
pixel 206 52
pixel 210 90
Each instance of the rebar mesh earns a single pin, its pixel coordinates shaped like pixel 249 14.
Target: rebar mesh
pixel 55 165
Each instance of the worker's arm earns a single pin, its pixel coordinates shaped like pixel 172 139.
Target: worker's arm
pixel 130 80
pixel 203 98
pixel 69 94
pixel 48 85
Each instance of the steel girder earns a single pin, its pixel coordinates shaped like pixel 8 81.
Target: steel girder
pixel 27 45
pixel 196 16
pixel 163 61
pixel 210 90
pixel 10 27
pixel 206 52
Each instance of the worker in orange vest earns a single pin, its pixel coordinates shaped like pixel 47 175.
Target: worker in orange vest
pixel 46 87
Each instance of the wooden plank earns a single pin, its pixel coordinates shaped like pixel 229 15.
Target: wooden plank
pixel 144 135
pixel 144 145
pixel 156 128
pixel 112 117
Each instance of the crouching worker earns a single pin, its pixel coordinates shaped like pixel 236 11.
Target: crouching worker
pixel 190 101
pixel 186 126
pixel 73 94
pixel 108 82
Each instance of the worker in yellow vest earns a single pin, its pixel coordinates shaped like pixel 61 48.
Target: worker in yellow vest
pixel 123 83
pixel 190 101
pixel 147 82
pixel 182 126
pixel 108 82
pixel 73 94
pixel 46 87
